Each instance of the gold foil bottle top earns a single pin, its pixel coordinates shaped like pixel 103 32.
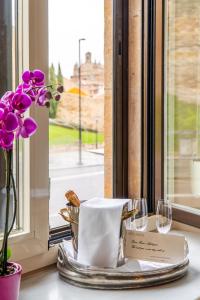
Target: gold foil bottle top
pixel 72 198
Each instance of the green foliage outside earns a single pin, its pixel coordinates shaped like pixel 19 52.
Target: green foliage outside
pixel 54 80
pixel 59 135
pixel 182 122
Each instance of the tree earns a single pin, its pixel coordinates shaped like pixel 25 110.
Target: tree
pixel 60 76
pixel 53 82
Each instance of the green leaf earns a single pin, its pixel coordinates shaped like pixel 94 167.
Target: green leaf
pixel 9 253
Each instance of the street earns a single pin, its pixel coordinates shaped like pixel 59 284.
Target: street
pixel 87 180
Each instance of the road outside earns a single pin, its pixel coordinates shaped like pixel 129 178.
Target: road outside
pixel 87 180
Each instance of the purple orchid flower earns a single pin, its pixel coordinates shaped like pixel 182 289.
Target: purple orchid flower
pixel 23 87
pixel 29 128
pixel 6 139
pixel 39 76
pixel 11 122
pixel 1 113
pixel 14 104
pixel 36 77
pixel 41 97
pixel 27 76
pixel 7 97
pixel 21 101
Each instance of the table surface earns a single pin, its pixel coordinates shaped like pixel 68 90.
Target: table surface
pixel 46 284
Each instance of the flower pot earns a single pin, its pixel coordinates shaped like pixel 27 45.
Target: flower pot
pixel 10 284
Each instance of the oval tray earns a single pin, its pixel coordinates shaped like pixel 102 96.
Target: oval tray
pixel 133 274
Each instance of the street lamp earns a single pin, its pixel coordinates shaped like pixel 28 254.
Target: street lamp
pixel 96 133
pixel 79 80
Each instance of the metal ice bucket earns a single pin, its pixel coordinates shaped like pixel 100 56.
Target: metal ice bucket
pixel 73 215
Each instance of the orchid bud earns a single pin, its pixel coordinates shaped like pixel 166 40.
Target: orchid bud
pixel 48 95
pixel 60 89
pixel 47 104
pixel 57 97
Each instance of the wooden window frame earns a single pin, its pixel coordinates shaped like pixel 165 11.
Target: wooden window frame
pixel 120 98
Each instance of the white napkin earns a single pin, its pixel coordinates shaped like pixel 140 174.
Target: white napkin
pixel 99 231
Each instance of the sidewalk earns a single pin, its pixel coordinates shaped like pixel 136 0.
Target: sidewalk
pixel 63 160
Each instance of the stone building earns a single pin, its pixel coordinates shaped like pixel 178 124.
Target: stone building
pixel 92 96
pixel 183 39
pixel 92 76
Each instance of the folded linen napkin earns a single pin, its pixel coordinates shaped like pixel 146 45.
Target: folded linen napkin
pixel 99 231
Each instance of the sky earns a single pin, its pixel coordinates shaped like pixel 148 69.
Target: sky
pixel 70 20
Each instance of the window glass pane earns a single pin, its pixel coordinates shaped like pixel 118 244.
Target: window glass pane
pixel 6 45
pixel 182 118
pixel 77 48
pixel 8 78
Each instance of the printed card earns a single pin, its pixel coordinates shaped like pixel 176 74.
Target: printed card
pixel 164 248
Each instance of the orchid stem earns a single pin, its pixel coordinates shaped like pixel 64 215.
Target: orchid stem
pixel 15 203
pixel 8 156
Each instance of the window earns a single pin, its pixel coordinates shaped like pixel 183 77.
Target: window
pixel 18 51
pixel 172 106
pixel 182 118
pixel 95 163
pixel 8 78
pixel 80 58
pixel 29 242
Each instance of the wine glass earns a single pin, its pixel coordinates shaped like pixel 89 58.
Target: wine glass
pixel 164 216
pixel 140 219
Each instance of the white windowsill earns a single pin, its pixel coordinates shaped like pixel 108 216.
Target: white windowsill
pixel 47 285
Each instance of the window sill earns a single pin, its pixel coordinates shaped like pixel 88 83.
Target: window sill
pixel 40 282
pixel 49 257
